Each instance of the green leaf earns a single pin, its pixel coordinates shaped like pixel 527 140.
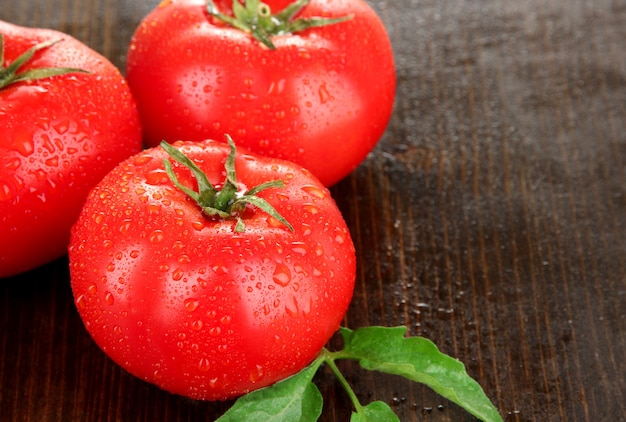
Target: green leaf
pixel 293 399
pixel 418 359
pixel 377 411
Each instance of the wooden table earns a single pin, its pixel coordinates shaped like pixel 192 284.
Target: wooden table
pixel 491 219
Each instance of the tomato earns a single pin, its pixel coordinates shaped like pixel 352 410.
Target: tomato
pixel 194 302
pixel 61 130
pixel 321 98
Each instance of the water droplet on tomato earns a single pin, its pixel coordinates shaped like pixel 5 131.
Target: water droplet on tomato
pixel 197 325
pixel 191 304
pixel 257 374
pixel 157 177
pixel 6 191
pixel 291 307
pixel 52 162
pixel 92 289
pixel 109 299
pixel 324 94
pixel 311 209
pixel 204 365
pixel 23 143
pixel 198 225
pixel 62 126
pixel 125 226
pixel 142 159
pixel 177 275
pixel 299 248
pixel 81 302
pixel 215 331
pixel 220 269
pixel 157 236
pixel 316 191
pixel 282 275
pixel 319 250
pixel 153 209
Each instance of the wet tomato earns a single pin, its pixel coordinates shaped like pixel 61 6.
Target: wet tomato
pixel 320 96
pixel 67 117
pixel 209 301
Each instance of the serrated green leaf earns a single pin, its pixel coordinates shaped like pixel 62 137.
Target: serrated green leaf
pixel 377 411
pixel 418 359
pixel 294 399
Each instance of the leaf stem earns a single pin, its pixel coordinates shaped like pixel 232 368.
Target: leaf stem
pixel 329 358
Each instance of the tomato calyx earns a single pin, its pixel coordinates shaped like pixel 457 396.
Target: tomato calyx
pixel 256 18
pixel 228 201
pixel 11 73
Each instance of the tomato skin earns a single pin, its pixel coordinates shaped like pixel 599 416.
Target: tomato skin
pixel 321 99
pixel 58 137
pixel 180 300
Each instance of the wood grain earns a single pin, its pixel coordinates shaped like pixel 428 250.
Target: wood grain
pixel 490 219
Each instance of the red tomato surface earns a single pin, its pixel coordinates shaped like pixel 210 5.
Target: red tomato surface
pixel 182 301
pixel 322 98
pixel 58 137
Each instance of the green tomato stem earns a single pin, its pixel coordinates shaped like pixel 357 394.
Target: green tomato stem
pixel 11 74
pixel 329 358
pixel 255 17
pixel 228 201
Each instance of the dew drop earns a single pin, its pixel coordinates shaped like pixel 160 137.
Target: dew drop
pixel 157 236
pixel 157 177
pixel 299 248
pixel 204 365
pixel 81 302
pixel 109 299
pixel 256 374
pixel 315 191
pixel 291 307
pixel 178 274
pixel 191 304
pixel 324 95
pixel 153 209
pixel 6 193
pixel 140 160
pixel 282 275
pixel 311 209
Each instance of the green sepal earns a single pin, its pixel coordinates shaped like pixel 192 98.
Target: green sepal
pixel 226 202
pixel 256 18
pixel 11 75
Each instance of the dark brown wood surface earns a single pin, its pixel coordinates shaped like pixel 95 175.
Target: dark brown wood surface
pixel 491 219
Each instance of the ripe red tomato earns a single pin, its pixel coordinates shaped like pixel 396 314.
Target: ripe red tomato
pixel 322 98
pixel 184 300
pixel 59 135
